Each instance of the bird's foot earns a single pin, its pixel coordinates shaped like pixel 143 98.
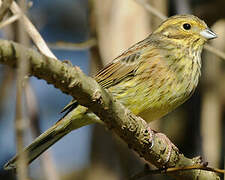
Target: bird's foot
pixel 170 146
pixel 151 136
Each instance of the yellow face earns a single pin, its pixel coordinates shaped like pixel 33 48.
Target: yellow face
pixel 185 27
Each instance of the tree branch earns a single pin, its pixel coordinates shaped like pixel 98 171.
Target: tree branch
pixel 133 130
pixel 4 6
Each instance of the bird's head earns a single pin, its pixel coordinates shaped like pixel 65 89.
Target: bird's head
pixel 185 28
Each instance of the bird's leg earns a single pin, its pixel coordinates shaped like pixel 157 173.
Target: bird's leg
pixel 170 145
pixel 151 135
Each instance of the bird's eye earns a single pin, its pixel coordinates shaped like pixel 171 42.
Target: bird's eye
pixel 187 26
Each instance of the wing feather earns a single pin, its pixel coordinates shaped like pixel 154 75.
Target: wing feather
pixel 123 66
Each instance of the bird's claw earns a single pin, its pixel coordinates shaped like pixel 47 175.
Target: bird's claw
pixel 171 146
pixel 151 139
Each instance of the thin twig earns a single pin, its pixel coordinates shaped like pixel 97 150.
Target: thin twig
pixel 47 165
pixel 10 20
pixel 5 4
pixel 32 31
pixel 74 46
pixel 5 87
pixel 146 172
pixel 20 124
pixel 151 9
pixel 215 51
pixel 158 14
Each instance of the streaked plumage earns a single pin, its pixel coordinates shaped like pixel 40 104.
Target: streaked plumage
pixel 151 78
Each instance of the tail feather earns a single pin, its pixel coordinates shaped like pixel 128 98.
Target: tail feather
pixel 39 145
pixel 73 120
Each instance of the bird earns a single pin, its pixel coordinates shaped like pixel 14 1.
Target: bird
pixel 151 78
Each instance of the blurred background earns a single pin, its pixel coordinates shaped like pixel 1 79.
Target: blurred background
pixel 107 28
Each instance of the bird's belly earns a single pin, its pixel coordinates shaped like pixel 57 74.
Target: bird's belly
pixel 153 102
pixel 154 113
pixel 153 107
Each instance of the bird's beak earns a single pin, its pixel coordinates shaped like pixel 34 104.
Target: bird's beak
pixel 208 34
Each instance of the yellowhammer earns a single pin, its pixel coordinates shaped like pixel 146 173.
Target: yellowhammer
pixel 151 78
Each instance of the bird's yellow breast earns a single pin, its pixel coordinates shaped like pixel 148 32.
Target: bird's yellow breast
pixel 157 87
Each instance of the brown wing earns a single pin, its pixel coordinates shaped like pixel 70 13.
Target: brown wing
pixel 121 67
